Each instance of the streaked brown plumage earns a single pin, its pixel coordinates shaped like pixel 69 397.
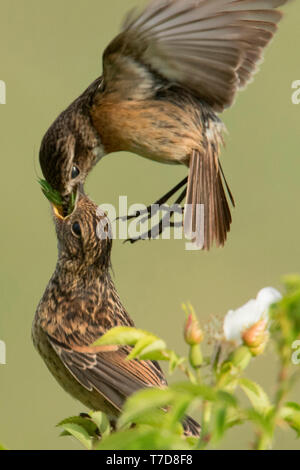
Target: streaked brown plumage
pixel 165 77
pixel 79 305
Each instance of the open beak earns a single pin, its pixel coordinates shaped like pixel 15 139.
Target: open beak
pixel 62 206
pixel 57 211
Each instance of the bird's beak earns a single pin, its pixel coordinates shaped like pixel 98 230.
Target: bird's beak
pixel 68 203
pixel 57 211
pixel 62 206
pixel 54 197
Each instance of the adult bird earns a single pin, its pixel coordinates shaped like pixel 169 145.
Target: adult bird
pixel 166 76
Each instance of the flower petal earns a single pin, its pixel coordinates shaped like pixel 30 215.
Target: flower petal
pixel 243 318
pixel 237 320
pixel 266 297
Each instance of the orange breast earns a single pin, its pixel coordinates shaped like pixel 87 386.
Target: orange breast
pixel 158 130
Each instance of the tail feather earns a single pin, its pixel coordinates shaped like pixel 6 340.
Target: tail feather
pixel 191 427
pixel 205 187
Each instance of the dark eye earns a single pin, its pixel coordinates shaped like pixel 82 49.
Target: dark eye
pixel 75 172
pixel 76 229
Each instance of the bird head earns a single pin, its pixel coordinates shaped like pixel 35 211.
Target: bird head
pixel 84 237
pixel 66 160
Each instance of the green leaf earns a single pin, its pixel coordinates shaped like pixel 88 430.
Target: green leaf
pixel 220 423
pixel 257 396
pixel 101 421
pixel 144 402
pixel 234 417
pixel 195 391
pixel 262 421
pixel 55 197
pixel 285 327
pixel 124 335
pixel 291 282
pixel 51 194
pixel 227 398
pixel 293 405
pixel 154 419
pixel 2 447
pixel 72 202
pixel 143 438
pixel 291 414
pixel 86 423
pixel 174 361
pixel 205 392
pixel 80 433
pixel 176 414
pixel 146 347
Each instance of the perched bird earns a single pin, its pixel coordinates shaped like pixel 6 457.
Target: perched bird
pixel 79 305
pixel 166 76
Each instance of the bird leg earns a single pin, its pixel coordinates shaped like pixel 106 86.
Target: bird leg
pixel 157 230
pixel 148 212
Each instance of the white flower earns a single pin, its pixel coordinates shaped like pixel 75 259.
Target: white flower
pixel 236 322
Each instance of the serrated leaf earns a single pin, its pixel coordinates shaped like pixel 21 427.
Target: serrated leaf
pixel 257 396
pixel 80 433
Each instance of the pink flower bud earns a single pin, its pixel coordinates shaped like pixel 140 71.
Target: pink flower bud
pixel 256 337
pixel 192 333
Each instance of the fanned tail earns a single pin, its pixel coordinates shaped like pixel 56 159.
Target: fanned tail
pixel 207 213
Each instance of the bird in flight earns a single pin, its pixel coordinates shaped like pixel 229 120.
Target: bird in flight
pixel 175 65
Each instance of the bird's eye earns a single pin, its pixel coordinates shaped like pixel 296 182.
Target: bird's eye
pixel 75 172
pixel 76 230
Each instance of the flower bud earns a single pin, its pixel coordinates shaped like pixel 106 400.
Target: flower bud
pixel 193 334
pixel 256 337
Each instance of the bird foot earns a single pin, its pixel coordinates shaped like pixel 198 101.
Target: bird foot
pixel 150 211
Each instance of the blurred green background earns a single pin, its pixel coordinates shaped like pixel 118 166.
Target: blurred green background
pixel 50 52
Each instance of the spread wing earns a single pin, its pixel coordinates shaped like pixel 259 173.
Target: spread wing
pixel 211 47
pixel 108 372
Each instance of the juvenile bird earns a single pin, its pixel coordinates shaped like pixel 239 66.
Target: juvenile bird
pixel 166 76
pixel 79 305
